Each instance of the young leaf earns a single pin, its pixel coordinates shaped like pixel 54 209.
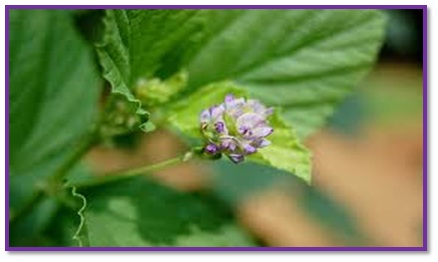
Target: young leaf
pixel 285 152
pixel 305 61
pixel 184 114
pixel 139 212
pixel 131 48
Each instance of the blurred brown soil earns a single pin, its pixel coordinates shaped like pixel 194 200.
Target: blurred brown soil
pixel 378 178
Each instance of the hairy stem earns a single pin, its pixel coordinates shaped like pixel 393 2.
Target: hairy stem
pixel 125 174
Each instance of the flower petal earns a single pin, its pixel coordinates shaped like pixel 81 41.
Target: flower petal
pixel 220 127
pixel 216 111
pixel 205 116
pixel 269 111
pixel 259 108
pixel 262 131
pixel 236 158
pixel 235 107
pixel 211 149
pixel 229 98
pixel 249 121
pixel 249 149
pixel 264 143
pixel 229 143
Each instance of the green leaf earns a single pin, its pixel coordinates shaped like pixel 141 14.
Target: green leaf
pixel 81 233
pixel 142 44
pixel 49 223
pixel 64 223
pixel 51 70
pixel 305 61
pixel 184 115
pixel 285 152
pixel 27 230
pixel 63 227
pixel 140 212
pixel 119 56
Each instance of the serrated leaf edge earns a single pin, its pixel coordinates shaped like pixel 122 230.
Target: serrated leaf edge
pixel 99 47
pixel 80 213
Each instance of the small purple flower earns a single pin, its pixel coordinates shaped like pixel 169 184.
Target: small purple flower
pixel 236 128
pixel 211 149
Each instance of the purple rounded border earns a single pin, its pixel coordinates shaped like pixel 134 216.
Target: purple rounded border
pixel 191 249
pixel 215 7
pixel 254 249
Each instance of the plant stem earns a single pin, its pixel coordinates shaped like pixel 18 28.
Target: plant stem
pixel 28 207
pixel 88 142
pixel 53 183
pixel 125 174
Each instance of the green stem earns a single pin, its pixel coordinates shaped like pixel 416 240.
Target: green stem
pixel 125 174
pixel 88 142
pixel 54 182
pixel 28 207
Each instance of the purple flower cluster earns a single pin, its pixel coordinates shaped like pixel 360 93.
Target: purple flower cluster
pixel 236 128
